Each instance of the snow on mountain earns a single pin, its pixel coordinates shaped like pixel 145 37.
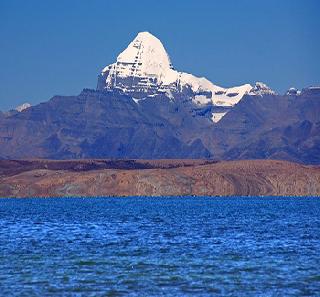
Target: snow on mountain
pixel 144 57
pixel 261 89
pixel 293 92
pixel 144 69
pixel 22 107
pixel 217 116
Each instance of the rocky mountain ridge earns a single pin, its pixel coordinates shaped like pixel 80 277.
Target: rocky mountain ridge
pixel 152 111
pixel 144 69
pixel 108 124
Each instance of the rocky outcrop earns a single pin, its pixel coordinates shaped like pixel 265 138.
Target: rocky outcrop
pixel 157 178
pixel 103 124
pixel 109 124
pixel 272 127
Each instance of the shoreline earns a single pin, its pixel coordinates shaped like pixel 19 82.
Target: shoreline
pixel 125 178
pixel 161 197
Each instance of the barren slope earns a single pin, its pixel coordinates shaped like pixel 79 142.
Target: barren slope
pixel 152 178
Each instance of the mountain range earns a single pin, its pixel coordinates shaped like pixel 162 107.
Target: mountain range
pixel 143 108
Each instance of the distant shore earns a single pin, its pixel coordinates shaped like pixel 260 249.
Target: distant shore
pixel 91 178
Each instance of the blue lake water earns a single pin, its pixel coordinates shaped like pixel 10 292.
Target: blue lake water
pixel 160 247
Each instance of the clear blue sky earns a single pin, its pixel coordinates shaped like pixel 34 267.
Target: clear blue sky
pixel 59 47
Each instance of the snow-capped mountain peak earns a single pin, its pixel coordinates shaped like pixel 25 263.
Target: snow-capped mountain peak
pixel 141 67
pixel 261 88
pixel 144 69
pixel 146 56
pixel 22 107
pixel 293 92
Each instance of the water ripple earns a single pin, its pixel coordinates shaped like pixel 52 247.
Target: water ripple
pixel 160 247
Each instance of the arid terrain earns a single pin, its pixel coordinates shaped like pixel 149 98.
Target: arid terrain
pixel 48 178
